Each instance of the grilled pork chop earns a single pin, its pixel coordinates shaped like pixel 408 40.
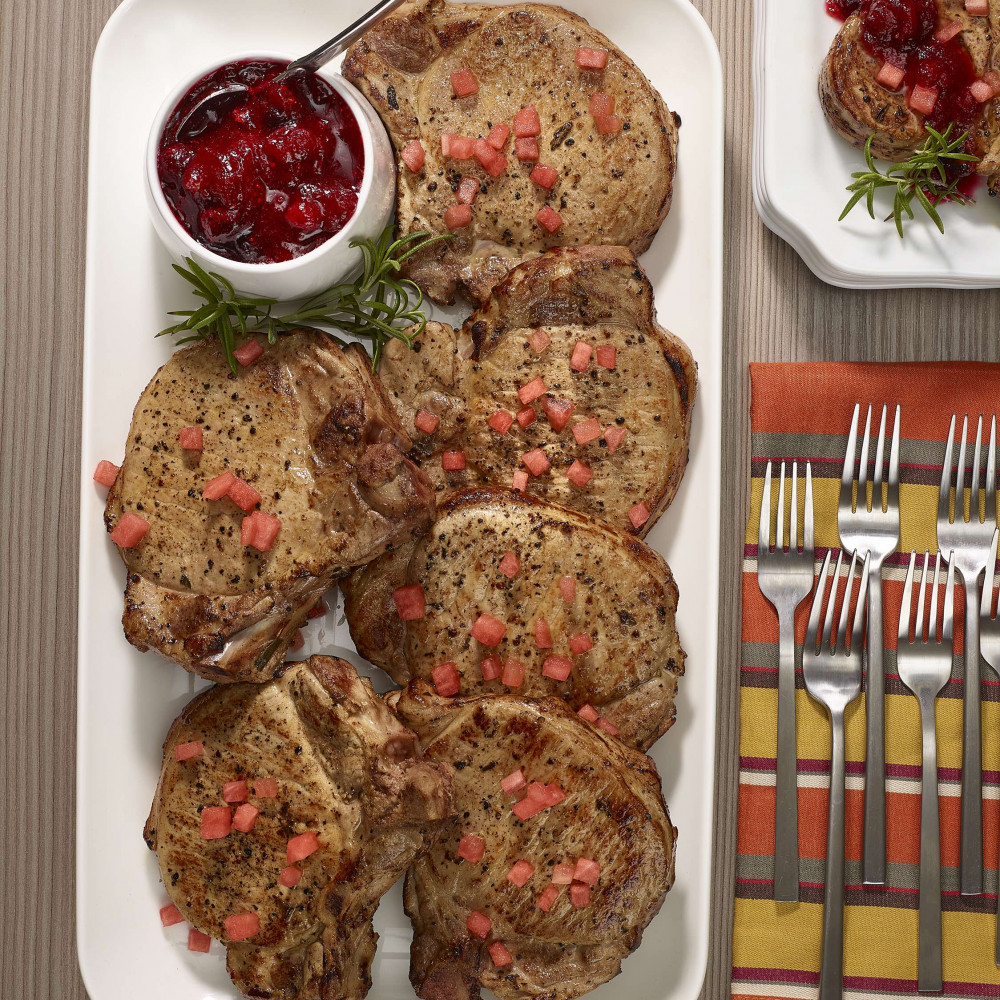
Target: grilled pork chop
pixel 626 425
pixel 308 427
pixel 612 189
pixel 574 594
pixel 352 801
pixel 858 106
pixel 609 838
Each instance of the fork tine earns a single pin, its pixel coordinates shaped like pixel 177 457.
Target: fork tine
pixel 944 498
pixel 809 540
pixel 764 531
pixel 840 631
pixel 986 604
pixel 960 474
pixel 933 623
pixel 918 630
pixel 850 456
pixel 879 458
pixel 863 463
pixel 949 601
pixel 905 607
pixel 813 628
pixel 793 521
pixel 779 538
pixel 858 630
pixel 893 492
pixel 976 475
pixel 991 474
pixel 830 618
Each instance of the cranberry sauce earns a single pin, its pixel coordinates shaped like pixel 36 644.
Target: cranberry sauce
pixel 276 176
pixel 842 9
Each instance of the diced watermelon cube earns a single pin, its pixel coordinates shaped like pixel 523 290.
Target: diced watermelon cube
pixel 589 713
pixel 485 154
pixel 526 150
pixel 609 727
pixel 488 630
pixel 498 136
pixel 520 872
pixel 464 82
pixel 299 848
pixel 191 439
pixel 581 643
pixel 243 495
pixel 501 421
pixel 447 141
pixel 536 462
pixel 580 359
pixel 579 474
pixel 468 190
pixel 265 788
pixel 977 8
pixel 513 674
pixel 240 926
pixel 587 870
pixel 558 411
pixel 602 103
pixel 526 417
pixel 290 876
pixel 592 58
pixel 607 124
pixel 579 895
pixel 248 352
pixel 510 565
pixel 993 79
pixel 549 219
pixel 462 147
pixel 527 808
pixel 543 634
pixel 544 177
pixel 499 954
pixel 520 481
pixel 471 848
pixel 496 166
pixel 532 391
pixel 453 461
pixel 567 587
pixel 945 34
pixel 587 431
pixel 639 515
pixel 554 794
pixel 446 680
pixel 547 897
pixel 170 915
pixel 106 473
pixel 557 667
pixel 235 791
pixel 514 782
pixel 981 91
pixel 413 155
pixel 536 790
pixel 562 874
pixel 261 531
pixel 891 77
pixel 410 602
pixel 458 216
pixel 198 941
pixel 426 421
pixel 217 488
pixel 923 99
pixel 539 340
pixel 129 531
pixel 478 924
pixel 188 751
pixel 248 530
pixel 607 356
pixel 216 822
pixel 527 123
pixel 245 817
pixel 491 668
pixel 614 436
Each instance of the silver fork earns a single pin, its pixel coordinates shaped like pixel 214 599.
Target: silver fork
pixel 868 529
pixel 989 645
pixel 967 536
pixel 924 665
pixel 832 673
pixel 785 577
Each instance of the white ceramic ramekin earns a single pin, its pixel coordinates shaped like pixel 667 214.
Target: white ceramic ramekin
pixel 321 267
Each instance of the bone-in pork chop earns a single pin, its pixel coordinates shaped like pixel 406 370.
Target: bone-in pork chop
pixel 284 812
pixel 310 439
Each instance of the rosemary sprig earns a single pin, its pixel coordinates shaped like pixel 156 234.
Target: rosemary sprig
pixel 923 176
pixel 375 306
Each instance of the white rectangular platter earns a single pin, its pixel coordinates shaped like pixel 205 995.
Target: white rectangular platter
pixel 801 169
pixel 126 699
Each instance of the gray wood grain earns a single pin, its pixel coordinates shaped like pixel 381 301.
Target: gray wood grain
pixel 774 310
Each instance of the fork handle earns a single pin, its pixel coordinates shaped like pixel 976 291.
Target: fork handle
pixel 873 851
pixel 971 868
pixel 786 823
pixel 831 974
pixel 929 976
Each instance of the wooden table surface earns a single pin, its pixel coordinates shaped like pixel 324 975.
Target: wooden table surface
pixel 774 310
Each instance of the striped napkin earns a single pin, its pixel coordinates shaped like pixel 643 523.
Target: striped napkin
pixel 803 411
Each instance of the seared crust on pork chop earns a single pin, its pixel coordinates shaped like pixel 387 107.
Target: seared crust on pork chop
pixel 598 295
pixel 347 771
pixel 311 430
pixel 613 189
pixel 612 814
pixel 623 600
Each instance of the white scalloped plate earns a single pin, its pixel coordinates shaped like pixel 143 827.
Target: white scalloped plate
pixel 126 700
